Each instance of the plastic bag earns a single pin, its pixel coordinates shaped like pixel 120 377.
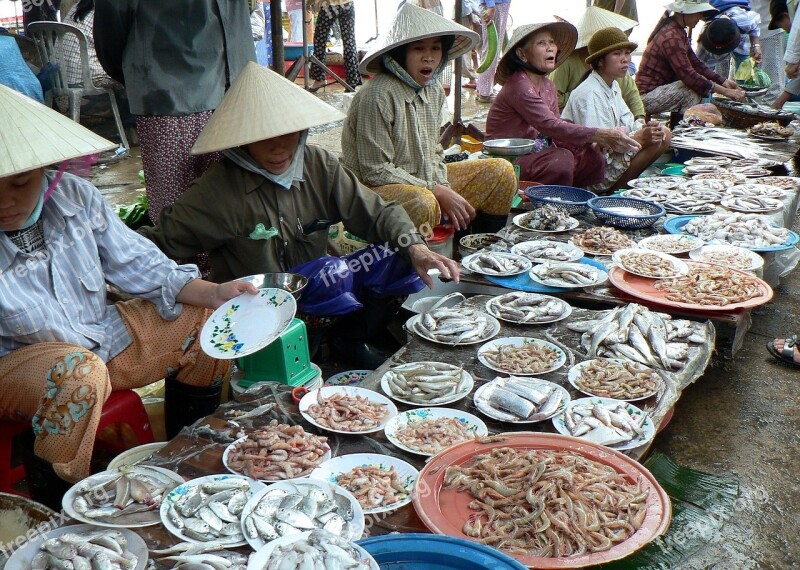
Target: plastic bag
pixel 329 288
pixel 751 74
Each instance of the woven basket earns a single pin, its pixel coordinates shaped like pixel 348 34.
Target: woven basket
pixel 739 116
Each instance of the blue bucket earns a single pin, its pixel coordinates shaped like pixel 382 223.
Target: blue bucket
pixel 423 551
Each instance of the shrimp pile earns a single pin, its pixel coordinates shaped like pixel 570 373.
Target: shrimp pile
pixel 710 285
pixel 621 380
pixel 648 264
pixel 432 435
pixel 374 486
pixel 547 503
pixel 530 358
pixel 347 413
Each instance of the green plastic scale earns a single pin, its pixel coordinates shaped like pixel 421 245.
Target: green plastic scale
pixel 286 360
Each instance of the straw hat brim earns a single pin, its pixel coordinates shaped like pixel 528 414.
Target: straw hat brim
pixel 261 105
pixel 564 34
pixel 33 135
pixel 596 19
pixel 682 7
pixel 412 24
pixel 606 50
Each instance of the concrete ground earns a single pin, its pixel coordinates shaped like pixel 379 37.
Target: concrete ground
pixel 741 419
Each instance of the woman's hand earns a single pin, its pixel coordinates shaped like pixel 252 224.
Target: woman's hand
pixel 227 291
pixel 211 295
pixel 649 135
pixel 731 84
pixel 454 206
pixel 488 15
pixel 615 140
pixel 423 260
pixel 737 94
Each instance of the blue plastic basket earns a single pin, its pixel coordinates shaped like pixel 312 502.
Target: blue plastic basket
pixel 566 198
pixel 600 207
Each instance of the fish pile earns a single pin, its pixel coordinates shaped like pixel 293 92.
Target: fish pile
pixel 374 486
pixel 496 263
pixel 89 550
pixel 320 550
pixel 650 193
pixel 734 177
pixel 545 250
pixel 762 162
pixel 604 423
pixel 735 228
pixel 685 203
pixel 711 285
pixel 666 182
pixel 431 435
pixel 755 191
pixel 703 169
pixel 671 243
pixel 546 503
pixel 717 160
pixel 753 204
pixel 602 240
pixel 752 171
pixel 516 399
pixel 201 556
pixel 519 307
pixel 278 451
pixel 426 383
pixel 456 326
pixel 622 380
pixel 547 219
pixel 343 412
pixel 566 274
pixel 648 264
pixel 716 185
pixel 210 510
pixel 633 332
pixel 733 257
pixel 282 512
pixel 530 357
pixel 784 182
pixel 771 129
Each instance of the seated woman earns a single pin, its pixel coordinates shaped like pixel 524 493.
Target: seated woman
pixel 597 102
pixel 267 206
pixel 527 108
pixel 671 77
pixel 63 349
pixel 391 135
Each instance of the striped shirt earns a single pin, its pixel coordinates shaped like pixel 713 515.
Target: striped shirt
pixel 59 294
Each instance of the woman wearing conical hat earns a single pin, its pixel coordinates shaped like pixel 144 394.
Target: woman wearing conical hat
pixel 527 107
pixel 391 135
pixel 63 349
pixel 267 206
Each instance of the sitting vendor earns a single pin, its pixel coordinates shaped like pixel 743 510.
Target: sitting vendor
pixel 527 107
pixel 267 206
pixel 391 135
pixel 63 348
pixel 597 102
pixel 671 77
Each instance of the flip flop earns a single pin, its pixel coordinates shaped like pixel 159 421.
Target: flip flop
pixel 786 356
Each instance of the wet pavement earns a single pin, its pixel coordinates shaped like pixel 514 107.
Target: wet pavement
pixel 741 419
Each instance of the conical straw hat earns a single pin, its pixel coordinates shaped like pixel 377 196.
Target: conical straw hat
pixel 32 135
pixel 596 19
pixel 261 105
pixel 411 24
pixel 564 35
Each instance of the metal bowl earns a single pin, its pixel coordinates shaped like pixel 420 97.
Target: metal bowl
pixel 294 283
pixel 508 147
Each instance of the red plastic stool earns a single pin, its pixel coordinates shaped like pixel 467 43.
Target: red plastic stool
pixel 10 475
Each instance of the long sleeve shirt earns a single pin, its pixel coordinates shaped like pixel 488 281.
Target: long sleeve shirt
pixel 669 58
pixel 391 134
pixel 59 294
pixel 792 54
pixel 493 3
pixel 594 103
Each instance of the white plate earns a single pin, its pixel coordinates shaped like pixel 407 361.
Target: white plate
pixel 657 182
pixel 776 204
pixel 22 557
pixel 414 325
pixel 784 182
pixel 524 264
pixel 327 391
pixel 648 428
pixel 356 524
pixel 466 378
pixel 715 160
pixel 493 310
pixel 685 242
pixel 761 190
pixel 521 341
pixel 135 520
pixel 602 276
pixel 348 378
pixel 757 262
pixel 474 424
pixel 230 447
pixel 519 221
pixel 712 184
pixel 177 493
pixel 679 266
pixel 331 470
pixel 576 371
pixel 573 251
pixel 492 413
pixel 260 559
pixel 136 454
pixel 247 323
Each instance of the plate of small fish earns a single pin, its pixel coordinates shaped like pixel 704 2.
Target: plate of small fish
pixel 653 194
pixel 665 182
pixel 347 409
pixel 522 356
pixel 674 244
pixel 735 177
pixel 496 263
pixel 567 275
pixel 703 169
pixel 380 483
pixel 547 219
pixel 311 549
pixel 539 251
pixel 753 204
pixel 454 327
pixel 523 308
pixel 291 507
pixel 520 400
pixel 784 182
pixel 755 190
pixel 427 383
pixel 209 509
pixel 653 264
pixel 128 497
pixel 602 240
pixel 615 378
pixel 428 431
pixel 729 256
pixel 606 421
pixel 705 160
pixel 714 184
pixel 95 547
pixel 762 162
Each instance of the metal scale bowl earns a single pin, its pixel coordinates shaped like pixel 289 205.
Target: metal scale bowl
pixel 508 147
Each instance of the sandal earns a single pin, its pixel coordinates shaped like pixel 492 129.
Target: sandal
pixel 786 355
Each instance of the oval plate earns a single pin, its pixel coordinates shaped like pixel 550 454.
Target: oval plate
pixel 675 226
pixel 260 559
pixel 519 341
pixel 648 428
pixel 672 244
pixel 230 447
pixel 519 221
pixel 602 277
pixel 473 424
pixel 479 400
pixel 576 371
pixel 621 256
pixel 414 325
pixel 756 261
pixel 470 262
pixel 492 309
pixel 573 252
pixel 466 381
pixel 327 391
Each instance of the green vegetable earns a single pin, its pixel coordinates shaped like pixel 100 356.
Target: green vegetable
pixel 132 214
pixel 491 48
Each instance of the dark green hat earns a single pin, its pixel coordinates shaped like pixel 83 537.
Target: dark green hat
pixel 607 40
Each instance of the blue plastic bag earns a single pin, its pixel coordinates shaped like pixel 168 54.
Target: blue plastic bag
pixel 379 270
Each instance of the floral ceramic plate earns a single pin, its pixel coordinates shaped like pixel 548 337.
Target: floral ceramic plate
pixel 247 323
pixel 348 378
pixel 396 431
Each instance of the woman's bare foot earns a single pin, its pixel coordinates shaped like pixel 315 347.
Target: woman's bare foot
pixel 780 343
